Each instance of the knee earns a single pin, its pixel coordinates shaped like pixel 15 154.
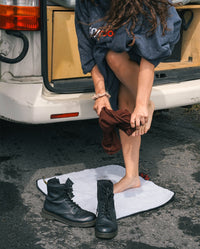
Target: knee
pixel 115 59
pixel 111 59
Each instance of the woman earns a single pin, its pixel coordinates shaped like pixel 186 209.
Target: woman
pixel 121 43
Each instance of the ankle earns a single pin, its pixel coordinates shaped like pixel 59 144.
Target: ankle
pixel 134 176
pixel 126 183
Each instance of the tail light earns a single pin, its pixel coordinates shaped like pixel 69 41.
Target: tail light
pixel 64 115
pixel 20 14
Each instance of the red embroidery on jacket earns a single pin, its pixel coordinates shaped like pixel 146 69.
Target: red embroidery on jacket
pixel 109 33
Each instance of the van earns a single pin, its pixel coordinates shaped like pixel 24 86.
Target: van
pixel 41 80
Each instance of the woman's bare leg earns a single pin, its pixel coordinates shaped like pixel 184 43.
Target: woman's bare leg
pixel 127 72
pixel 130 148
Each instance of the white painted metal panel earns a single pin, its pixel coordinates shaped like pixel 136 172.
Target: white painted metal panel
pixel 31 103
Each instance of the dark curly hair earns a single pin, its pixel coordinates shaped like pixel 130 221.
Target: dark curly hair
pixel 124 12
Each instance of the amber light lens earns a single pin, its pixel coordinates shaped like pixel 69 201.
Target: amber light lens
pixel 19 17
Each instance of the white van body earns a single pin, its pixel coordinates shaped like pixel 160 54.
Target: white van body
pixel 24 97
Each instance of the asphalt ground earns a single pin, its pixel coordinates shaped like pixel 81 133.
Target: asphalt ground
pixel 170 155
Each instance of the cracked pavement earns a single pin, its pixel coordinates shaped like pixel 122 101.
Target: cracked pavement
pixel 170 155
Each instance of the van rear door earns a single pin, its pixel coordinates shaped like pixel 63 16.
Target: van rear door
pixel 61 65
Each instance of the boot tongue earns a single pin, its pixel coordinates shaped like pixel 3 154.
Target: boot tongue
pixel 68 188
pixel 69 183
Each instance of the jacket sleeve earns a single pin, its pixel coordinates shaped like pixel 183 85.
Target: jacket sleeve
pixel 156 47
pixel 85 42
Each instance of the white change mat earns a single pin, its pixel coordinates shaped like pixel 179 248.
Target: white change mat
pixel 129 202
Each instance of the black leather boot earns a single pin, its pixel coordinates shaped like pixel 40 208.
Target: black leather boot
pixel 59 205
pixel 106 223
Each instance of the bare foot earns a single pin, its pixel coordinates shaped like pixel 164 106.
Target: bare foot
pixel 144 128
pixel 126 183
pixel 151 111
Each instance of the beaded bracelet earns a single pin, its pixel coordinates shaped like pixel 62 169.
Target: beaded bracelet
pixel 99 95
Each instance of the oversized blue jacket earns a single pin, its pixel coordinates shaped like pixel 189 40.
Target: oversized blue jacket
pixel 93 47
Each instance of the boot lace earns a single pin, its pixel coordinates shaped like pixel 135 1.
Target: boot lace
pixel 69 195
pixel 106 205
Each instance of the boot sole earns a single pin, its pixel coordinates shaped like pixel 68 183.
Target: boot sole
pixel 105 235
pixel 51 216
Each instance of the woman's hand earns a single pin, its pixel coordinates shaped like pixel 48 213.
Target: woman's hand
pixel 139 117
pixel 100 103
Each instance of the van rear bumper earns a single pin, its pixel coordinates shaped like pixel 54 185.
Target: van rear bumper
pixel 176 94
pixel 31 103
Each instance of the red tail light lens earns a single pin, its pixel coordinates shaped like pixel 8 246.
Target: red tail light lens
pixel 65 115
pixel 18 17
